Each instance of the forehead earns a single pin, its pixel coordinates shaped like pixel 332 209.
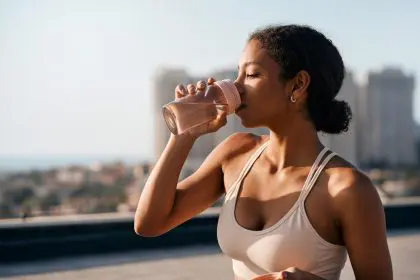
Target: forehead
pixel 254 53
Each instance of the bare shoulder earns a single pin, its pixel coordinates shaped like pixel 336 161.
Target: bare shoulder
pixel 235 150
pixel 226 152
pixel 360 216
pixel 349 187
pixel 238 144
pixel 343 176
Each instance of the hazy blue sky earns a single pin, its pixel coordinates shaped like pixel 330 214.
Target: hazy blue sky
pixel 75 75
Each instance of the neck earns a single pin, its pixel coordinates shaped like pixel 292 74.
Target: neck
pixel 298 146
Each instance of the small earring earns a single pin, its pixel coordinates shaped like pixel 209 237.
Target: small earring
pixel 293 99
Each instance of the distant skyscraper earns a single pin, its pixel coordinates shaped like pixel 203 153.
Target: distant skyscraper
pixel 388 119
pixel 345 144
pixel 417 137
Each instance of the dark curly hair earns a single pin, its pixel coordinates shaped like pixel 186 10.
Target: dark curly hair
pixel 299 47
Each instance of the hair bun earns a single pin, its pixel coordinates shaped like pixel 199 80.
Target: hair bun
pixel 336 118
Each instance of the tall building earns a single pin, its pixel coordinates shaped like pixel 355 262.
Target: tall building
pixel 345 144
pixel 417 137
pixel 363 133
pixel 388 119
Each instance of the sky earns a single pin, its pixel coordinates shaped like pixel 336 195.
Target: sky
pixel 76 75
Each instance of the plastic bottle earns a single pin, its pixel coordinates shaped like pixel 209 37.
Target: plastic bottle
pixel 193 110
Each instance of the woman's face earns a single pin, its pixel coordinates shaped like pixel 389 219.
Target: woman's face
pixel 265 96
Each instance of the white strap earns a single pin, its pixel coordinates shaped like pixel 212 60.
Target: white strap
pixel 235 186
pixel 307 189
pixel 314 168
pixel 251 162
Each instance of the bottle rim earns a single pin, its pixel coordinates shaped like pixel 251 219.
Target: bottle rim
pixel 231 94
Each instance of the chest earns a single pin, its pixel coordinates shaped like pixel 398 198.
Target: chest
pixel 263 200
pixel 271 249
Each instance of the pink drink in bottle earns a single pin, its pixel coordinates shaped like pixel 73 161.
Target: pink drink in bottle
pixel 193 110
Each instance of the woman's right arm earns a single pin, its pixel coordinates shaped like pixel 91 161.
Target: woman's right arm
pixel 166 203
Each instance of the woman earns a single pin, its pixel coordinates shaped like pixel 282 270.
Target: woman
pixel 293 209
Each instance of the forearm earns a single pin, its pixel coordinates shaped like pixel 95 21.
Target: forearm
pixel 158 195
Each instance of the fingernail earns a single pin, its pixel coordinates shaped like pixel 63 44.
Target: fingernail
pixel 182 89
pixel 284 275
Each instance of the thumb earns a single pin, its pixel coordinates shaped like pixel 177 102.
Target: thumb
pixel 218 122
pixel 211 126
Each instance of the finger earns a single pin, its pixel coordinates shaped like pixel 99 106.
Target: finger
pixel 218 122
pixel 180 91
pixel 211 81
pixel 291 273
pixel 222 117
pixel 266 277
pixel 191 89
pixel 286 275
pixel 201 86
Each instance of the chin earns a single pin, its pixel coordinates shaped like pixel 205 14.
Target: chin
pixel 248 120
pixel 248 123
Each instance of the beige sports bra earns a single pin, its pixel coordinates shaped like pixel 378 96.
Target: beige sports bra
pixel 292 241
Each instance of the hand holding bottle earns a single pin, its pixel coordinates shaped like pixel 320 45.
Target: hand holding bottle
pixel 189 112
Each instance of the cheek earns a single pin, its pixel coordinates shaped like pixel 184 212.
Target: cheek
pixel 273 108
pixel 272 101
pixel 265 97
pixel 266 107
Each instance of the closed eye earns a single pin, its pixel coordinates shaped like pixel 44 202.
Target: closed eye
pixel 253 75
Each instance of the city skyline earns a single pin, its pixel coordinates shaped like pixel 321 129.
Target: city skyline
pixel 76 78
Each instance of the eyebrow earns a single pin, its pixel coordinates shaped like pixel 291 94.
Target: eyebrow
pixel 251 63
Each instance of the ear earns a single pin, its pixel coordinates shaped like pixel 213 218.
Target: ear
pixel 300 85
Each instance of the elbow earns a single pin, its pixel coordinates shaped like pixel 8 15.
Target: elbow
pixel 146 229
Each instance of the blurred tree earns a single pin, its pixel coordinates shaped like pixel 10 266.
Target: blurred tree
pixel 27 207
pixel 18 196
pixel 36 177
pixel 49 201
pixel 106 206
pixel 6 211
